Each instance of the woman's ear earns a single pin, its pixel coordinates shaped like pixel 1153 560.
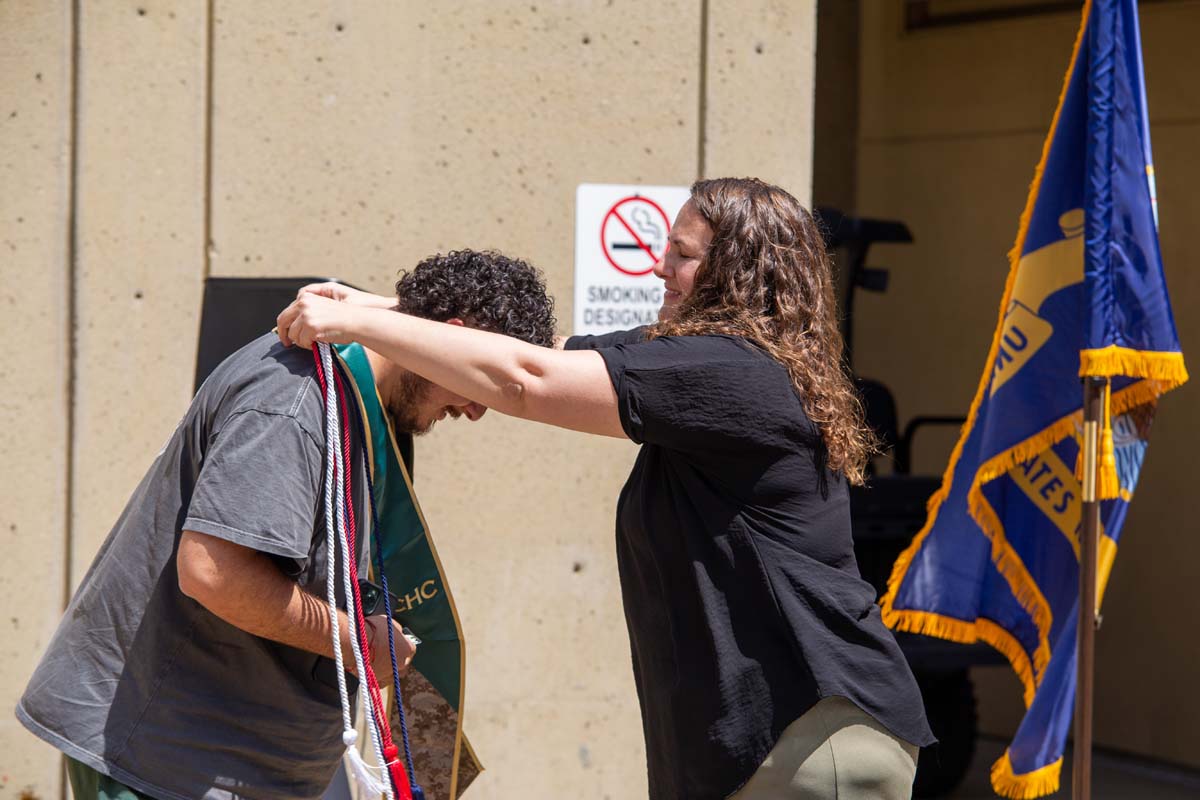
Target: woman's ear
pixel 456 321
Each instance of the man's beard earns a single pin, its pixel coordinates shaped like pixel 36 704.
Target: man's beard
pixel 409 400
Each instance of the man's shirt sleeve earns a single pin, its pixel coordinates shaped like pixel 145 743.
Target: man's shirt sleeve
pixel 259 485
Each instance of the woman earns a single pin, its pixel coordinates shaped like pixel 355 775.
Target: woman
pixel 762 665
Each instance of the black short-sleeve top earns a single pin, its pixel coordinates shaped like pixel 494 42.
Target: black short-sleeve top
pixel 743 600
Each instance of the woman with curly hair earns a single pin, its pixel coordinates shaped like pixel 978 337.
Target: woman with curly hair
pixel 761 662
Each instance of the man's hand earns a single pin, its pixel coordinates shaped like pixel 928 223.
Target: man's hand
pixel 346 294
pixel 381 659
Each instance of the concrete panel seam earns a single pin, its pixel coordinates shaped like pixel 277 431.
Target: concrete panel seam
pixel 72 268
pixel 209 62
pixel 702 116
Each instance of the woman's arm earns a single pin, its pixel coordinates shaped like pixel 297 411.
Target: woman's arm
pixel 347 294
pixel 569 389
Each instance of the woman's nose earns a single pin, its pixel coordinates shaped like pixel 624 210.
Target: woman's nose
pixel 660 268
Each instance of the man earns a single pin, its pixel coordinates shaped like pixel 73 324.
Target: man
pixel 194 659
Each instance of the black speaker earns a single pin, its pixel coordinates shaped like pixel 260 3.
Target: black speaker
pixel 237 311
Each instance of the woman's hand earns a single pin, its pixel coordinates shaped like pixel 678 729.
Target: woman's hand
pixel 346 294
pixel 313 318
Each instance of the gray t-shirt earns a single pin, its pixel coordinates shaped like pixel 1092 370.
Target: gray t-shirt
pixel 146 685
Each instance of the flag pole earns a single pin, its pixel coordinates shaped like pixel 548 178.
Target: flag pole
pixel 1093 414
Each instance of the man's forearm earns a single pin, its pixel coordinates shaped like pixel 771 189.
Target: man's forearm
pixel 244 588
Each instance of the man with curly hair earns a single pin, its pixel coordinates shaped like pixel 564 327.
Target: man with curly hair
pixel 195 658
pixel 486 291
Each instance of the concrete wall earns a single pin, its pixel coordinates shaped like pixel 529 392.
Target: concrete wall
pixel 35 206
pixel 353 139
pixel 951 127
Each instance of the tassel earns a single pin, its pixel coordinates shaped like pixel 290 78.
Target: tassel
pixel 365 777
pixel 398 773
pixel 1108 485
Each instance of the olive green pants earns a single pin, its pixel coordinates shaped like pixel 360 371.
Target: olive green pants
pixel 836 751
pixel 88 784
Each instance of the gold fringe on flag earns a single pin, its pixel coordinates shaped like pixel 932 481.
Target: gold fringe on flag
pixel 1109 362
pixel 1028 786
pixel 1160 371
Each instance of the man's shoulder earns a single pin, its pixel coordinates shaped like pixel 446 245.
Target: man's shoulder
pixel 266 377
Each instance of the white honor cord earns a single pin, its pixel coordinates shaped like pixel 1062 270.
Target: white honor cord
pixel 331 428
pixel 348 587
pixel 333 541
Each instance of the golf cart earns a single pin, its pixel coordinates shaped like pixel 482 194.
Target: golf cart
pixel 891 508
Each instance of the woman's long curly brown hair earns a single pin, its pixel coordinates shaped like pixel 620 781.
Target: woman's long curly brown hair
pixel 767 278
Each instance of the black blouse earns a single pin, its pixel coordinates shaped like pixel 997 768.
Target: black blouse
pixel 743 600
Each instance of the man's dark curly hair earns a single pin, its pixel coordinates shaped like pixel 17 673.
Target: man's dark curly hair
pixel 486 290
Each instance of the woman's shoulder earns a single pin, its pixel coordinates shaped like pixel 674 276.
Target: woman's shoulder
pixel 731 368
pixel 725 358
pixel 706 349
pixel 724 386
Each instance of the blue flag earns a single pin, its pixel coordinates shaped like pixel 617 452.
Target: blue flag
pixel 998 558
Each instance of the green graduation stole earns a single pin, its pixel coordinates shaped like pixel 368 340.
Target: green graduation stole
pixel 433 689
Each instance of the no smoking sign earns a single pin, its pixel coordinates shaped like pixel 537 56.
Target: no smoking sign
pixel 621 233
pixel 634 235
